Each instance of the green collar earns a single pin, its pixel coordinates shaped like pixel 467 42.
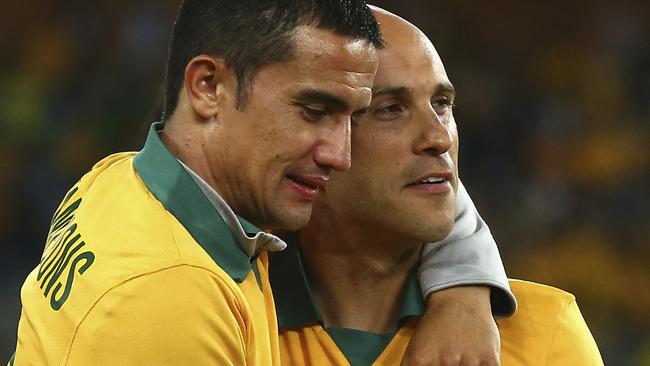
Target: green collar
pixel 294 302
pixel 295 306
pixel 360 348
pixel 171 184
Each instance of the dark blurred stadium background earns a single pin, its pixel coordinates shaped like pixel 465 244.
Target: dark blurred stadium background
pixel 553 111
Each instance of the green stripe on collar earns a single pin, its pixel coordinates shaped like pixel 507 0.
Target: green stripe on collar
pixel 412 303
pixel 249 228
pixel 360 348
pixel 170 183
pixel 295 306
pixel 294 302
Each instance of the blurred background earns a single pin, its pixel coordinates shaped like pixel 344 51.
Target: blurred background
pixel 553 110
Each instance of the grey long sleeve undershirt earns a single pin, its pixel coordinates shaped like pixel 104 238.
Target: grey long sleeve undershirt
pixel 467 256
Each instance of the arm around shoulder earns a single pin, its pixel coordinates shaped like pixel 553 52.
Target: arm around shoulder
pixel 460 317
pixel 181 315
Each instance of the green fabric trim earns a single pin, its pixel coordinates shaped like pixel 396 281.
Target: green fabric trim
pixel 249 228
pixel 256 271
pixel 412 303
pixel 11 360
pixel 170 183
pixel 360 348
pixel 294 303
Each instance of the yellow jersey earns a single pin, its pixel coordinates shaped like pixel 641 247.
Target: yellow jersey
pixel 140 269
pixel 547 328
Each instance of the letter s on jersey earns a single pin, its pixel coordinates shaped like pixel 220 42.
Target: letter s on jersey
pixel 88 258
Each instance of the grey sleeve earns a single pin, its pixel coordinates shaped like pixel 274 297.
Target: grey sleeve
pixel 467 256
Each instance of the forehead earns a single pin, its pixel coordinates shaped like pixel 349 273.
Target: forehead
pixel 409 59
pixel 320 53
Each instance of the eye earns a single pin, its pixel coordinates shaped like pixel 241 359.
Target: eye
pixel 389 111
pixel 442 104
pixel 313 113
pixel 393 108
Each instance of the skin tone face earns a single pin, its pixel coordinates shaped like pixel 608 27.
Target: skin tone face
pixel 270 159
pixel 404 172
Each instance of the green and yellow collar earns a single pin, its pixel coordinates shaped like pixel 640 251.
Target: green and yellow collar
pixel 172 185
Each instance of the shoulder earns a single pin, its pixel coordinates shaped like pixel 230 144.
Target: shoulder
pixel 108 231
pixel 178 289
pixel 154 311
pixel 543 295
pixel 547 328
pixel 539 308
pixel 127 228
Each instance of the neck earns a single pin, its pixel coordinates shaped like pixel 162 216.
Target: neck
pixel 182 140
pixel 185 140
pixel 358 278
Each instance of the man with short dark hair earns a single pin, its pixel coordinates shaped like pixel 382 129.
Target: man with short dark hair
pixel 157 257
pixel 356 300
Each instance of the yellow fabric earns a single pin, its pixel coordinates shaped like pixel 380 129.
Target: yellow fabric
pixel 311 345
pixel 547 329
pixel 141 290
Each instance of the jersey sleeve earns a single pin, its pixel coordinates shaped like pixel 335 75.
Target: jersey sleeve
pixel 573 343
pixel 181 315
pixel 467 256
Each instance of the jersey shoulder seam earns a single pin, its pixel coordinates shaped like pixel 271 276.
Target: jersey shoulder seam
pixel 138 276
pixel 562 314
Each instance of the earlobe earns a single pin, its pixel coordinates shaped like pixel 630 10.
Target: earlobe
pixel 204 82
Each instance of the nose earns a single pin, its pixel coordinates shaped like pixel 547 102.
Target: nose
pixel 333 149
pixel 435 138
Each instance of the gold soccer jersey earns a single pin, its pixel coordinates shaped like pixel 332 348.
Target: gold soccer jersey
pixel 140 269
pixel 547 328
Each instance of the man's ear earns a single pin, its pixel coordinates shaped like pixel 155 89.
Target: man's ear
pixel 205 81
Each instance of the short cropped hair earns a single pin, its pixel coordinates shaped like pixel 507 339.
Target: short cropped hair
pixel 249 34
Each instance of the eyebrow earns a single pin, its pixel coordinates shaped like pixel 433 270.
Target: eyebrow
pixel 397 90
pixel 330 100
pixel 444 87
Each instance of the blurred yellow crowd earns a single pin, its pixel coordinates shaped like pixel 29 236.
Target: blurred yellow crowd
pixel 553 111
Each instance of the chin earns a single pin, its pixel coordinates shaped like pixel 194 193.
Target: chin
pixel 290 220
pixel 435 229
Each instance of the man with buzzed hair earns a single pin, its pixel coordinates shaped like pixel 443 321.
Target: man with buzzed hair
pixel 157 257
pixel 357 300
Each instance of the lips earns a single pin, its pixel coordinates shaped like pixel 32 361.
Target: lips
pixel 432 183
pixel 307 186
pixel 432 178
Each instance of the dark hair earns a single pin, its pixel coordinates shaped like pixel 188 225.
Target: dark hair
pixel 249 34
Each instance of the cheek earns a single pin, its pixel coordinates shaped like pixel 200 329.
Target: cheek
pixel 377 160
pixel 369 146
pixel 287 152
pixel 373 179
pixel 289 134
pixel 453 151
pixel 281 140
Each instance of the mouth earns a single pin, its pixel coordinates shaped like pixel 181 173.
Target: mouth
pixel 432 183
pixel 307 186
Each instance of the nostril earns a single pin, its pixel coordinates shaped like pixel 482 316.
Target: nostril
pixel 333 155
pixel 436 139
